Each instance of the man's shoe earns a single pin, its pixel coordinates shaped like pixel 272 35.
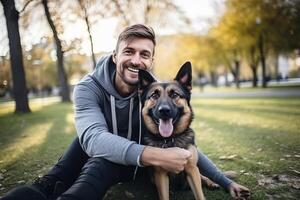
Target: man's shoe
pixel 26 192
pixel 58 189
pixel 51 189
pixel 44 185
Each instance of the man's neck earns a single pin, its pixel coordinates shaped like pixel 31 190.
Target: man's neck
pixel 122 88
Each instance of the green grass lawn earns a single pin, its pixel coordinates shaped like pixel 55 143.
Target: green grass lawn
pixel 259 138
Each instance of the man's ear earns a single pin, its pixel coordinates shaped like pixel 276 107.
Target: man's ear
pixel 184 75
pixel 145 79
pixel 114 56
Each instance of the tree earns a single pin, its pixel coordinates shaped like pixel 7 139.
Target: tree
pixel 260 27
pixel 88 25
pixel 63 80
pixel 16 57
pixel 151 12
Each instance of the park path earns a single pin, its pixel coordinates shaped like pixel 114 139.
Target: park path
pixel 284 92
pixel 41 101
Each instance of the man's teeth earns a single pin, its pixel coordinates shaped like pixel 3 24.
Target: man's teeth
pixel 133 69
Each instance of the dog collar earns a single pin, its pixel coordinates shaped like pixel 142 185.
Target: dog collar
pixel 168 142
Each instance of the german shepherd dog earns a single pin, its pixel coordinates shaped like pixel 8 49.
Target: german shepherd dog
pixel 167 115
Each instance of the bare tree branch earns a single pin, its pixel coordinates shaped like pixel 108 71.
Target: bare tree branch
pixel 25 6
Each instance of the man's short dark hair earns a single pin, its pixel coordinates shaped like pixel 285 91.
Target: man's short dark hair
pixel 136 31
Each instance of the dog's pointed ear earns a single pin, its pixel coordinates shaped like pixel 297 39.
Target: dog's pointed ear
pixel 145 79
pixel 184 75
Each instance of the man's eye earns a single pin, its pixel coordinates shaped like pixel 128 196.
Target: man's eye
pixel 174 95
pixel 128 52
pixel 145 56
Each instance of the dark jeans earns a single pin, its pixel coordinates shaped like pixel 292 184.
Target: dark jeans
pixel 97 176
pixel 88 178
pixel 69 165
pixel 85 177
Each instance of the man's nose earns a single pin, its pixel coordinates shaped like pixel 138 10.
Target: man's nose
pixel 136 59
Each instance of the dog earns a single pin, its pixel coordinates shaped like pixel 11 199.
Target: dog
pixel 167 115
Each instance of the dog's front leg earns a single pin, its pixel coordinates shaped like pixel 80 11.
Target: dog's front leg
pixel 162 183
pixel 193 174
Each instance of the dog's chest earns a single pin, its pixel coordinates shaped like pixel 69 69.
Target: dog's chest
pixel 183 140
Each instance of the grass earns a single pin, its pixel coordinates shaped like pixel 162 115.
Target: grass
pixel 261 134
pixel 248 88
pixel 31 143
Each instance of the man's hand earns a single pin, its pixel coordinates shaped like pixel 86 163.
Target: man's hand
pixel 171 159
pixel 238 191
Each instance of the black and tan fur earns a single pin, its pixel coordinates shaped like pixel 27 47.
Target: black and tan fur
pixel 165 107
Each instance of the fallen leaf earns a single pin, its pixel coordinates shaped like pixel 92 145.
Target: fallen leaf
pixel 296 185
pixel 21 182
pixel 295 171
pixel 280 180
pixel 231 157
pixel 129 194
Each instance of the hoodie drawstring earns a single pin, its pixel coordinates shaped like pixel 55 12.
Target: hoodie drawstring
pixel 115 126
pixel 130 119
pixel 114 117
pixel 140 130
pixel 113 114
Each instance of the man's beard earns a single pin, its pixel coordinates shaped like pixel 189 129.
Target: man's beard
pixel 122 75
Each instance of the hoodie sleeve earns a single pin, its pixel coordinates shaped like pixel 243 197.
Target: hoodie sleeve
pixel 93 133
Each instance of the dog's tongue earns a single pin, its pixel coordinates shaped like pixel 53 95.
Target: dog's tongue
pixel 165 127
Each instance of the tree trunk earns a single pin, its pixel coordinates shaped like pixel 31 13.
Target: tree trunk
pixel 213 78
pixel 277 75
pixel 226 77
pixel 237 73
pixel 254 73
pixel 253 66
pixel 63 80
pixel 17 67
pixel 87 22
pixel 263 60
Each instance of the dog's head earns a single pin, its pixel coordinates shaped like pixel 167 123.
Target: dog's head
pixel 166 106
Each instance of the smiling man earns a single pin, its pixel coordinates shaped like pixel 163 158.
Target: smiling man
pixel 129 57
pixel 108 149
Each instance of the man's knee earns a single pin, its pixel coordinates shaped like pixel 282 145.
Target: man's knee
pixel 101 169
pixel 97 176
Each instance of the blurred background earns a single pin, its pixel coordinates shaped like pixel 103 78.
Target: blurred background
pixel 229 42
pixel 246 91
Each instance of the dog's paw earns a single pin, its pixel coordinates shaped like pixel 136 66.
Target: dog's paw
pixel 209 183
pixel 213 186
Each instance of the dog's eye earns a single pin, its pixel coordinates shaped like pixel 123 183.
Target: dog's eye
pixel 174 95
pixel 154 96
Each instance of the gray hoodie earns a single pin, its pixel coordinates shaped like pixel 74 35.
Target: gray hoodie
pixel 104 119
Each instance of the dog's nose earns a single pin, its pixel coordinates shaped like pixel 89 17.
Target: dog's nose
pixel 164 111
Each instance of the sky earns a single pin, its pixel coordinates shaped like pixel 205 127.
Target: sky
pixel 199 11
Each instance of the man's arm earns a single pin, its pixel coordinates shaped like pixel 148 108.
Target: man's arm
pixel 170 159
pixel 92 129
pixel 208 169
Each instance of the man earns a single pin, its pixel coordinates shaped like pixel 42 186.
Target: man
pixel 108 123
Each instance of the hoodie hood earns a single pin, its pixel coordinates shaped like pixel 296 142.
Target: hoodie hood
pixel 105 73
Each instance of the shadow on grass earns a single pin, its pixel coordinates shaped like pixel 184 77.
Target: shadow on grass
pixel 45 136
pixel 144 189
